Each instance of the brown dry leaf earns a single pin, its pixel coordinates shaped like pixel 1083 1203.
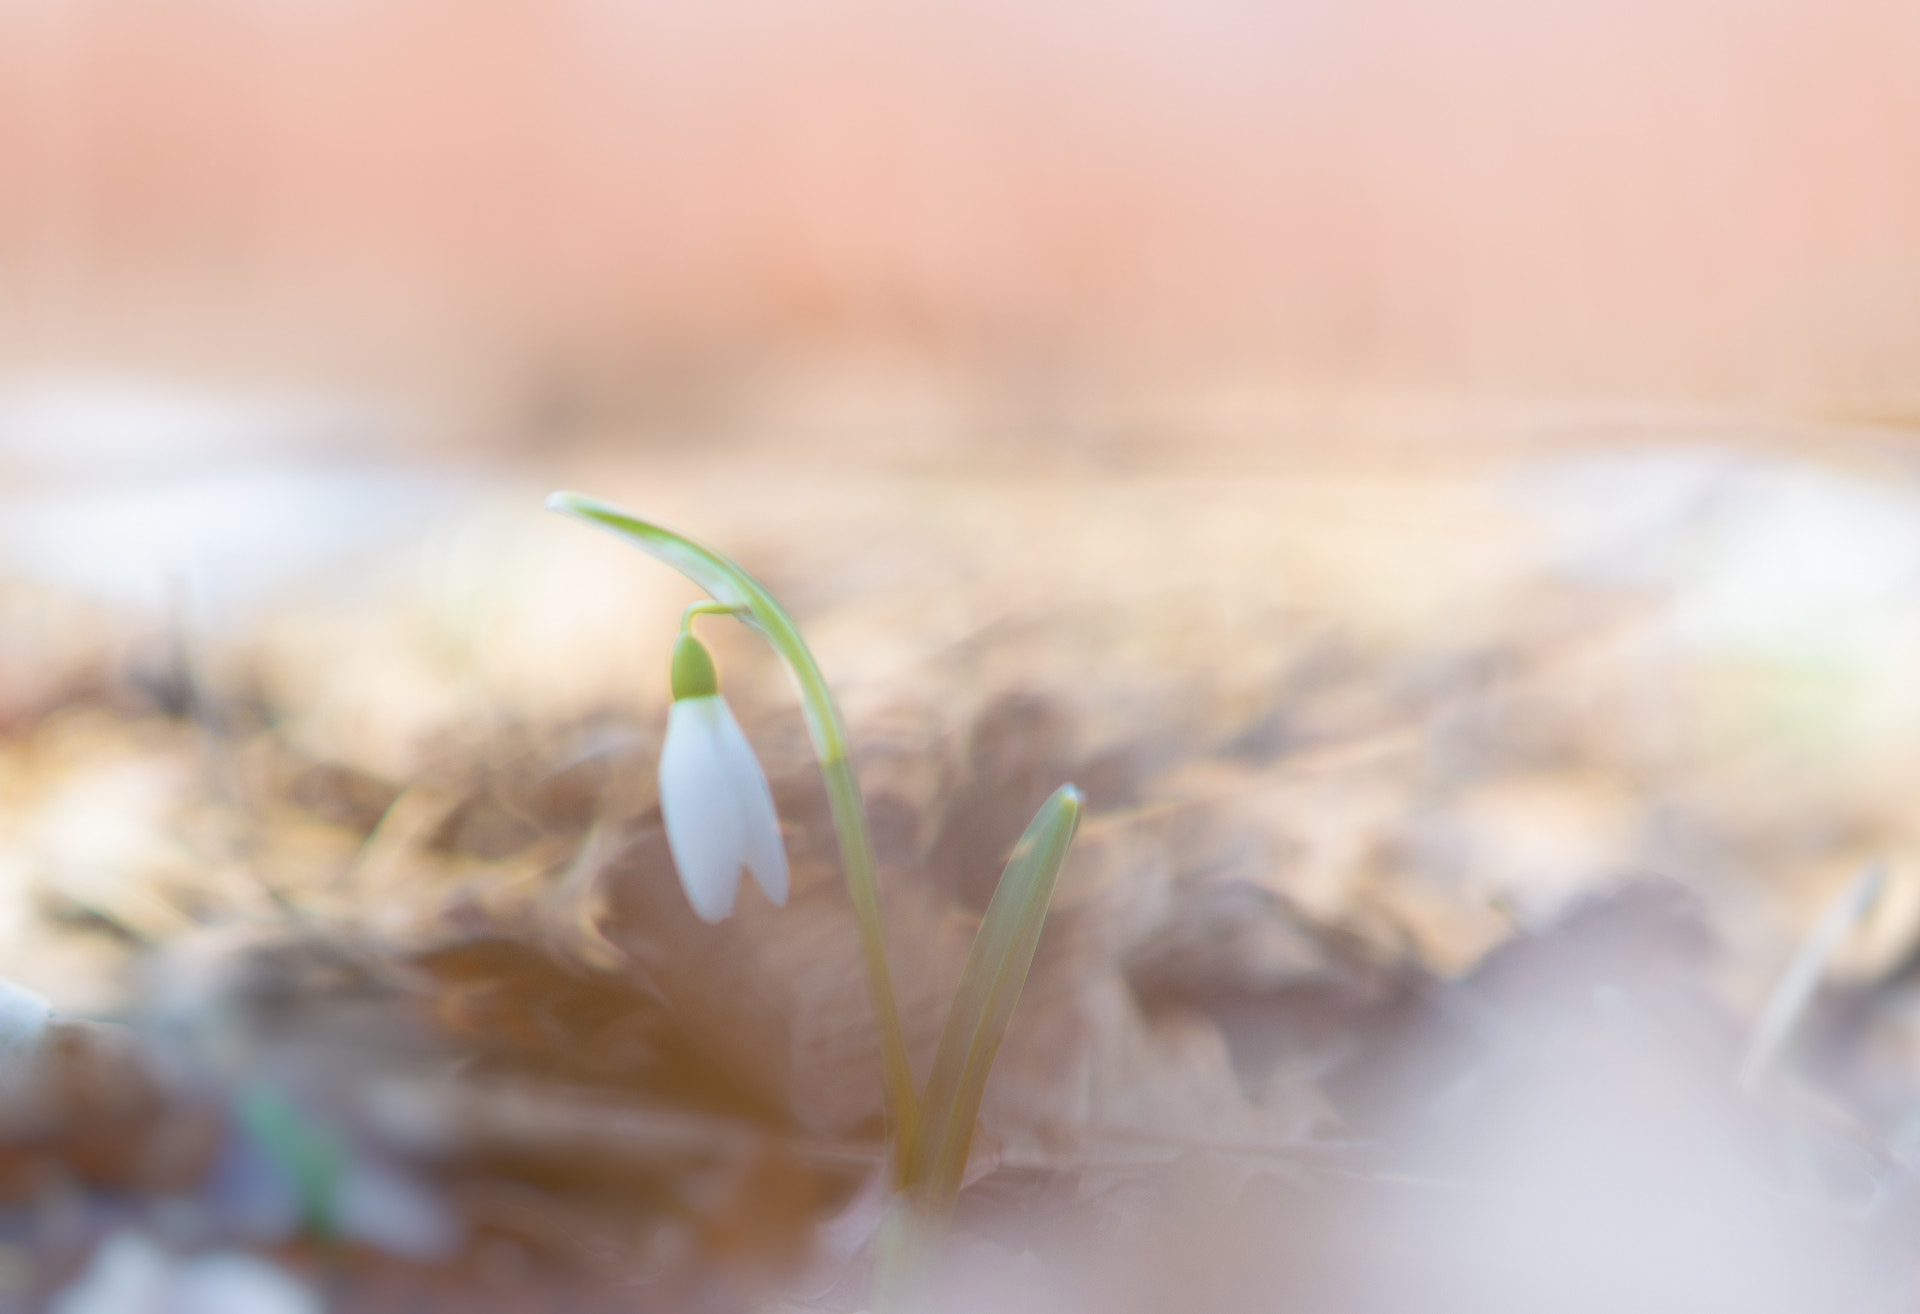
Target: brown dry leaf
pixel 1360 759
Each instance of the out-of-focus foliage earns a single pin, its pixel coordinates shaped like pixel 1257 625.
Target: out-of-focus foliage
pixel 1446 824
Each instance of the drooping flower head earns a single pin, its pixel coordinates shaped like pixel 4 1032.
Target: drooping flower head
pixel 714 797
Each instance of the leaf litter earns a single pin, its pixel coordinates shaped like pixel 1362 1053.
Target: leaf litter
pixel 1430 892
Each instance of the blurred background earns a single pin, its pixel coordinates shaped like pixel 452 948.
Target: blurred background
pixel 1416 330
pixel 561 203
pixel 1440 476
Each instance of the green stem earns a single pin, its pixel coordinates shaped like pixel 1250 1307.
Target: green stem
pixel 737 592
pixel 695 610
pixel 850 819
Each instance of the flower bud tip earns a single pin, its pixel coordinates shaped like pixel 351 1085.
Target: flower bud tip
pixel 693 673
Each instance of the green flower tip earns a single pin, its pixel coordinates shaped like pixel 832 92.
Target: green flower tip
pixel 693 673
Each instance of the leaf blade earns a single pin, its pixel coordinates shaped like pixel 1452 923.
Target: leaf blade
pixel 990 986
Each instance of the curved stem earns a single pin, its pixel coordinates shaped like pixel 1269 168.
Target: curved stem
pixel 850 819
pixel 740 594
pixel 695 610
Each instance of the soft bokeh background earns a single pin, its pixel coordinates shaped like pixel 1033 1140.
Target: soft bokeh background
pixel 1440 476
pixel 1703 198
pixel 1389 320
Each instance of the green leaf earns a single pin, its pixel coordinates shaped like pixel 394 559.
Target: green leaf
pixel 312 1155
pixel 990 986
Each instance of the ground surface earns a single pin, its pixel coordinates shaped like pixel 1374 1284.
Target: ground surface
pixel 1459 788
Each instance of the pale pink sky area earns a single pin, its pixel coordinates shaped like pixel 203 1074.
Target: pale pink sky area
pixel 1716 195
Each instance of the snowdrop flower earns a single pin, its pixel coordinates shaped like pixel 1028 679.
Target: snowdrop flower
pixel 713 795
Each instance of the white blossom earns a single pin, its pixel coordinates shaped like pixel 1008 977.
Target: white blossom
pixel 718 809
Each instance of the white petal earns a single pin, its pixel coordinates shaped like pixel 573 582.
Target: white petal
pixel 765 855
pixel 227 1282
pixel 699 804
